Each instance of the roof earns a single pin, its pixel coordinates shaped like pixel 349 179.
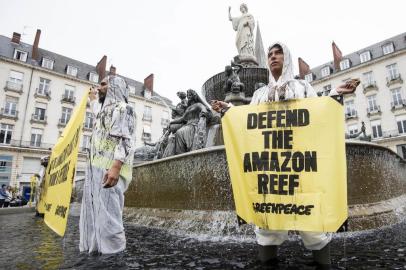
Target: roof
pixel 61 62
pixel 399 43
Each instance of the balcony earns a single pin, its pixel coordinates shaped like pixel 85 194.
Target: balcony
pixel 398 105
pixel 390 133
pixel 14 87
pixel 393 80
pixel 352 115
pixel 62 122
pixel 88 127
pixel 38 119
pixel 374 110
pixel 31 144
pixel 45 94
pixel 369 86
pixel 10 114
pixel 68 99
pixel 147 117
pixel 165 122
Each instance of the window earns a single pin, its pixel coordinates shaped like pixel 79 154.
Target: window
pixel 147 113
pixel 350 108
pixel 89 120
pixel 11 106
pixel 69 92
pixel 39 114
pixel 344 64
pixel 66 113
pixel 372 106
pixel 73 71
pixel 47 63
pixel 309 77
pixel 393 72
pixel 388 48
pixel 353 129
pixel 376 129
pixel 365 56
pixel 93 77
pixel 36 137
pixel 396 97
pixel 147 94
pixel 16 77
pixel 326 90
pixel 369 78
pixel 5 164
pixel 20 55
pixel 85 141
pixel 43 87
pixel 401 122
pixel 325 71
pixel 146 133
pixel 6 132
pixel 131 89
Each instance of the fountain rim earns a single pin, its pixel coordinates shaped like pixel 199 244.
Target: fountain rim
pixel 222 147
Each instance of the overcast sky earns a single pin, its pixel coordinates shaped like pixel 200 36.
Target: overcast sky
pixel 186 42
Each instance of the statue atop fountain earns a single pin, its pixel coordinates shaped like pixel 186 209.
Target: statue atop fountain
pixel 233 87
pixel 357 136
pixel 244 25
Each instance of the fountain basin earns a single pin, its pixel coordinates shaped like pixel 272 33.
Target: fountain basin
pixel 199 181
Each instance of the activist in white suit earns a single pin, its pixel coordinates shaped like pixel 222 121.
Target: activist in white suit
pixel 283 86
pixel 109 169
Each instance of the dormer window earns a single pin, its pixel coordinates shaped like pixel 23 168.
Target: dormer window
pixel 147 94
pixel 47 63
pixel 131 89
pixel 20 55
pixel 345 64
pixel 73 71
pixel 309 77
pixel 93 77
pixel 365 56
pixel 325 71
pixel 388 48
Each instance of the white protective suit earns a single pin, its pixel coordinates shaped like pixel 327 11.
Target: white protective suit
pixel 101 223
pixel 292 89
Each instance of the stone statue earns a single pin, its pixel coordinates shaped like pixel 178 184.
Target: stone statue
pixel 233 82
pixel 169 140
pixel 192 134
pixel 244 25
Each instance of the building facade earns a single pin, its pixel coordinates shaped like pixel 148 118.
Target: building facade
pixel 380 100
pixel 38 93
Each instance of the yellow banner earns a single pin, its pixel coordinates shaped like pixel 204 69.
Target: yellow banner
pixel 287 164
pixel 60 173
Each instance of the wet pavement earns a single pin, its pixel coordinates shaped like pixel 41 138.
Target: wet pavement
pixel 27 243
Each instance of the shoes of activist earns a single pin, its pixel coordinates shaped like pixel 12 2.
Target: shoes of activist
pixel 267 255
pixel 322 258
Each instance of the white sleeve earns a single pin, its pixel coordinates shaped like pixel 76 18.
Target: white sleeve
pixel 334 92
pixel 95 107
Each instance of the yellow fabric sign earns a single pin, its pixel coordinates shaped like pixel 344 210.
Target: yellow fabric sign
pixel 287 164
pixel 60 172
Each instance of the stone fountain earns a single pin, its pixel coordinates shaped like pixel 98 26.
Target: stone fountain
pixel 192 192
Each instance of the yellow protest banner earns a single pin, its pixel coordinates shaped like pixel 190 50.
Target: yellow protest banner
pixel 60 172
pixel 287 164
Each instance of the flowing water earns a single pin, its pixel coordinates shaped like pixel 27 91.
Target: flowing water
pixel 27 243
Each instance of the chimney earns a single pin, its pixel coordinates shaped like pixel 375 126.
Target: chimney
pixel 16 38
pixel 101 67
pixel 35 54
pixel 337 55
pixel 303 68
pixel 112 70
pixel 149 82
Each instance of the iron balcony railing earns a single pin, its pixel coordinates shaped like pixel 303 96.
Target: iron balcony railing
pixel 398 103
pixel 69 99
pixel 14 86
pixel 374 109
pixel 9 113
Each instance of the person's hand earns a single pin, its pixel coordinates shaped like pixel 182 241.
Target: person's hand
pixel 218 105
pixel 111 177
pixel 349 87
pixel 92 93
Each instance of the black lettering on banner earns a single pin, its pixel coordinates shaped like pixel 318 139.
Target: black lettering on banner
pixel 284 167
pixel 261 120
pixel 260 163
pixel 252 121
pixel 280 208
pixel 247 163
pixel 61 211
pixel 48 207
pixel 303 117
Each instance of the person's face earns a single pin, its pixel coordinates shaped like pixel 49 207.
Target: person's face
pixel 275 60
pixel 243 9
pixel 102 90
